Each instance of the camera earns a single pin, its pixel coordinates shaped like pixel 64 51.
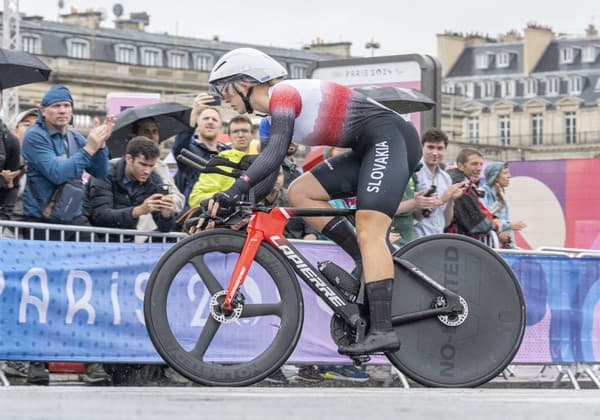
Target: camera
pixel 164 189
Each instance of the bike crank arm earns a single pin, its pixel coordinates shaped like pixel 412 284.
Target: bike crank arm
pixel 417 316
pixel 242 267
pixel 453 304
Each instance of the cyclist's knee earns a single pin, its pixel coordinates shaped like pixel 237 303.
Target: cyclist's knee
pixel 306 187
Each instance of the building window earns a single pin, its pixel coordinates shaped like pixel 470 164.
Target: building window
pixel 126 54
pixel 473 129
pixel 537 126
pixel 177 59
pixel 589 54
pixel 488 89
pixel 298 71
pixel 203 62
pixel 78 48
pixel 575 85
pixel 531 86
pixel 31 43
pixel 553 86
pixel 482 61
pixel 567 55
pixel 449 88
pixel 570 128
pixel 151 57
pixel 597 87
pixel 469 90
pixel 508 88
pixel 504 128
pixel 502 60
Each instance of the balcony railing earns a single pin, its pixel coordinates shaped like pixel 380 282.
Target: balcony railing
pixel 547 139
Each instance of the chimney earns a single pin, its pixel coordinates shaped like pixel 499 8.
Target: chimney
pixel 477 38
pixel 511 36
pixel 536 40
pixel 591 31
pixel 450 46
pixel 137 21
pixel 339 49
pixel 89 19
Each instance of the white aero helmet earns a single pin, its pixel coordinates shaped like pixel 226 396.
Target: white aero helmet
pixel 246 63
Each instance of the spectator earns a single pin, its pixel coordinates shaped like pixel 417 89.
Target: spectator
pixel 470 215
pixel 208 184
pixel 290 169
pixel 10 170
pixel 54 155
pixel 401 229
pixel 296 227
pixel 497 178
pixel 439 213
pixel 132 190
pixel 149 128
pixel 20 124
pixel 201 141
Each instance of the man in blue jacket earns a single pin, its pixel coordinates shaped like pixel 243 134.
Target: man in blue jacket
pixel 54 155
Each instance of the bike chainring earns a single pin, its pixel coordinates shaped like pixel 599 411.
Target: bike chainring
pixel 216 310
pixel 452 320
pixel 341 332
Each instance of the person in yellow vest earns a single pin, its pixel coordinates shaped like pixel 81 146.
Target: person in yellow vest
pixel 208 184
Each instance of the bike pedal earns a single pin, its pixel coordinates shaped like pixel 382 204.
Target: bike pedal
pixel 360 360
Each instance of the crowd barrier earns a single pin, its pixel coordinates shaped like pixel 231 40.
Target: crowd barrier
pixel 66 301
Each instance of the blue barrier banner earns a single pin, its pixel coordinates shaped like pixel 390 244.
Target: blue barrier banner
pixel 65 301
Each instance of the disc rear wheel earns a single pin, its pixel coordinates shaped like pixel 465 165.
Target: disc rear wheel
pixel 461 350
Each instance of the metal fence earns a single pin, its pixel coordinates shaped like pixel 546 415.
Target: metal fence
pixel 28 230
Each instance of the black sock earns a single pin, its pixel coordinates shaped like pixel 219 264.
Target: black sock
pixel 380 304
pixel 340 231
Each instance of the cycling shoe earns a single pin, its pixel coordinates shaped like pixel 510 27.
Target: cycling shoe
pixel 375 341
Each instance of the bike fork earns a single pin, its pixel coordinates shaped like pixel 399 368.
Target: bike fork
pixel 242 266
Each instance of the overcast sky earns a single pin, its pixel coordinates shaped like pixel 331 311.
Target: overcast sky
pixel 400 27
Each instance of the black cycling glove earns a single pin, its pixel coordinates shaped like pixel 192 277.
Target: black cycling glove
pixel 229 198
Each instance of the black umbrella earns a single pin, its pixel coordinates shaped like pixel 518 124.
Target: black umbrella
pixel 171 118
pixel 19 68
pixel 401 100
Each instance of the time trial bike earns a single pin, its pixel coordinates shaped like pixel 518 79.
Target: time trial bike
pixel 457 307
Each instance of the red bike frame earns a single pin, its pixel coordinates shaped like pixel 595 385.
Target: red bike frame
pixel 269 226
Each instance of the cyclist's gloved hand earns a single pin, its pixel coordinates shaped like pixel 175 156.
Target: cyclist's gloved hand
pixel 229 198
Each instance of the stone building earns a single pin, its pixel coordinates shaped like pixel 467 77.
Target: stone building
pixel 529 96
pixel 93 60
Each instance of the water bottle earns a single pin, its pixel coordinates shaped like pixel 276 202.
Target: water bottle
pixel 429 193
pixel 341 279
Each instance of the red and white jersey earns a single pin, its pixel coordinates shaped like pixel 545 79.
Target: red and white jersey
pixel 325 113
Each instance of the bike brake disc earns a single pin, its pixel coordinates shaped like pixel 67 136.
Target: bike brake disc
pixel 217 312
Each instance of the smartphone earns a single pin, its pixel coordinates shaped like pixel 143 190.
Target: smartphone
pixel 20 167
pixel 164 189
pixel 216 101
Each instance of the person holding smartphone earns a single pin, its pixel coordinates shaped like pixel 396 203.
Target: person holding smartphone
pixel 132 190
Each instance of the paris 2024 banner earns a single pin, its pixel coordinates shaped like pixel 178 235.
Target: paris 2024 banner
pixel 559 200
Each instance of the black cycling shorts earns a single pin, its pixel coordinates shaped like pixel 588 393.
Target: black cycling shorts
pixel 378 167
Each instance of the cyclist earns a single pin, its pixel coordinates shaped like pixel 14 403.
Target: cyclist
pixel 385 150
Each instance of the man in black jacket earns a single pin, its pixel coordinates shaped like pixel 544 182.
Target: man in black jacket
pixel 131 190
pixel 10 170
pixel 470 217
